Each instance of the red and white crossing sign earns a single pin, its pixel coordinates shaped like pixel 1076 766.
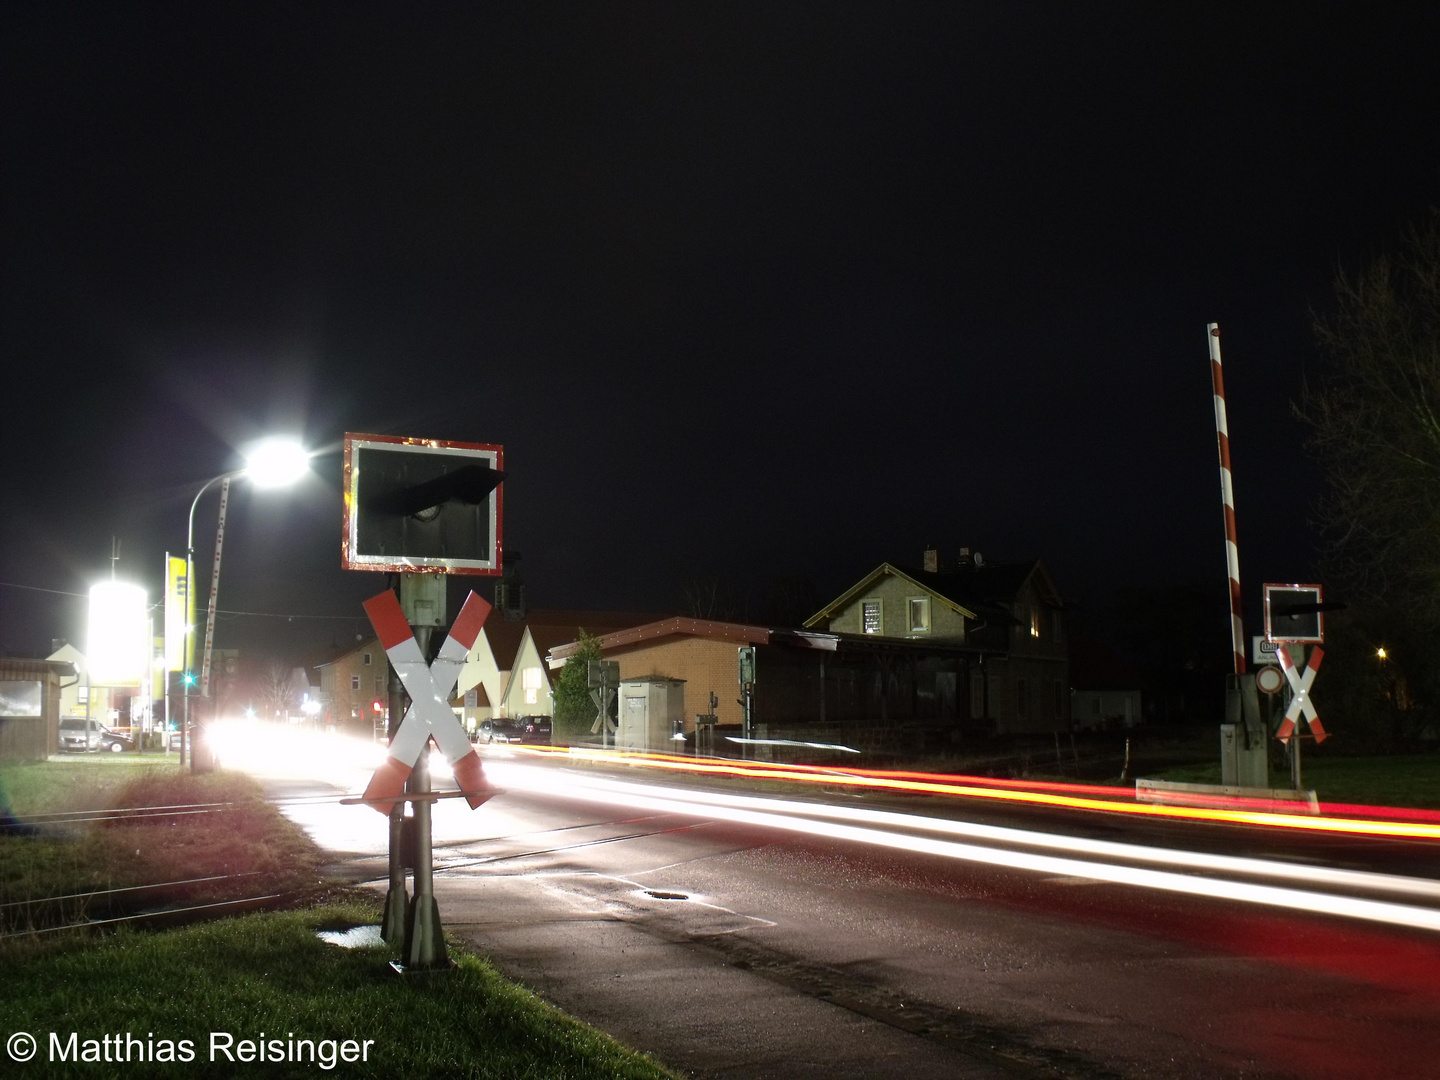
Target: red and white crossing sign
pixel 1300 703
pixel 429 687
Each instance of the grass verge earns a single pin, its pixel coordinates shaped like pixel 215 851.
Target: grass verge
pixel 269 973
pixel 1412 780
pixel 65 872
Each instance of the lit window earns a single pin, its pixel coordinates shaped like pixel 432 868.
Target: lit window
pixel 354 682
pixel 530 680
pixel 870 616
pixel 1035 622
pixel 919 614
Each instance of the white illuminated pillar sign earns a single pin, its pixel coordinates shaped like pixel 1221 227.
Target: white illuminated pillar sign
pixel 118 644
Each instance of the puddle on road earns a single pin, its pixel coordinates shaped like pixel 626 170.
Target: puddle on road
pixel 359 937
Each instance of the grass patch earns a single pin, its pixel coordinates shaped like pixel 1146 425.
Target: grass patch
pixel 66 870
pixel 1412 780
pixel 75 781
pixel 269 973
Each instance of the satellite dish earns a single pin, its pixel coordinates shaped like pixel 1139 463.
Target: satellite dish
pixel 979 559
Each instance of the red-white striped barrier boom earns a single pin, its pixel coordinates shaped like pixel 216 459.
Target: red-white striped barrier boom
pixel 1227 495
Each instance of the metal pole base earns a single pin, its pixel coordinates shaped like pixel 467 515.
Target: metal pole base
pixel 392 924
pixel 424 947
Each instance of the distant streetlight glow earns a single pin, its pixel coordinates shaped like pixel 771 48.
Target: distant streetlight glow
pixel 276 462
pixel 1380 652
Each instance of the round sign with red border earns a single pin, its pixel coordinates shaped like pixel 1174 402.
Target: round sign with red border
pixel 1269 680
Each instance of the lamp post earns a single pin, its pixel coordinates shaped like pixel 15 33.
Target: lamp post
pixel 271 463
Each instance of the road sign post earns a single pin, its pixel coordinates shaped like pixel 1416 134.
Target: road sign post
pixel 405 772
pixel 747 690
pixel 421 509
pixel 392 925
pixel 603 678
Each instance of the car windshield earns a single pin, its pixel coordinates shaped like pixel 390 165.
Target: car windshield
pixel 72 725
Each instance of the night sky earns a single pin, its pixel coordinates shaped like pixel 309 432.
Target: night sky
pixel 745 291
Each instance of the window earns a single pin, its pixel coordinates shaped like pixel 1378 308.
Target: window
pixel 365 659
pixel 1020 702
pixel 354 682
pixel 1035 622
pixel 530 681
pixel 919 614
pixel 1055 626
pixel 870 616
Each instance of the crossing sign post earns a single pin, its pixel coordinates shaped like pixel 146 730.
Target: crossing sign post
pixel 1294 618
pixel 416 507
pixel 428 717
pixel 603 678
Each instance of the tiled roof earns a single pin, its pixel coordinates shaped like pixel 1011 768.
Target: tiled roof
pixel 554 626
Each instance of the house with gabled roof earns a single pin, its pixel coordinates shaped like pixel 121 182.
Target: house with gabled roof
pixel 352 683
pixel 506 667
pixel 813 691
pixel 1011 610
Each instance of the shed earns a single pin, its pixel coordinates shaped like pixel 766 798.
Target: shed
pixel 652 710
pixel 30 707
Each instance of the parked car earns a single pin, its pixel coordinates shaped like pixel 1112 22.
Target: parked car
pixel 114 741
pixel 502 729
pixel 78 735
pixel 536 729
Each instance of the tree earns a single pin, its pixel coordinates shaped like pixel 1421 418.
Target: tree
pixel 574 711
pixel 277 691
pixel 1374 423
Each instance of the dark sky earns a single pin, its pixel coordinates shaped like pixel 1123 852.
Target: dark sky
pixel 744 290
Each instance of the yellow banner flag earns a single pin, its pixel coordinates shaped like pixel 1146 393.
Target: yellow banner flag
pixel 177 611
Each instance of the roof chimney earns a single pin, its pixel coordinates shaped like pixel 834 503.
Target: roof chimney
pixel 963 557
pixel 930 560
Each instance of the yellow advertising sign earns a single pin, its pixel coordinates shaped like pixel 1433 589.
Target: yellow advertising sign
pixel 177 611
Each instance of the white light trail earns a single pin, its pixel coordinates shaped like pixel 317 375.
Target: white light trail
pixel 834 822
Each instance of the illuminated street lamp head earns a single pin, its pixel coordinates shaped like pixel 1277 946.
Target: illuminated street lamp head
pixel 1380 652
pixel 276 463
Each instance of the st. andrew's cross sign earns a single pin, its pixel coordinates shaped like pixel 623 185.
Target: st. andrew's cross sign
pixel 429 714
pixel 1300 703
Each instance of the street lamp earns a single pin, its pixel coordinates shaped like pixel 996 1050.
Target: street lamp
pixel 271 463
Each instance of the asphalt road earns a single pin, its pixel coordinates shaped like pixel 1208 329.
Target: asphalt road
pixel 728 947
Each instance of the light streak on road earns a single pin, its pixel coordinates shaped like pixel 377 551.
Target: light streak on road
pixel 1040 793
pixel 821 821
